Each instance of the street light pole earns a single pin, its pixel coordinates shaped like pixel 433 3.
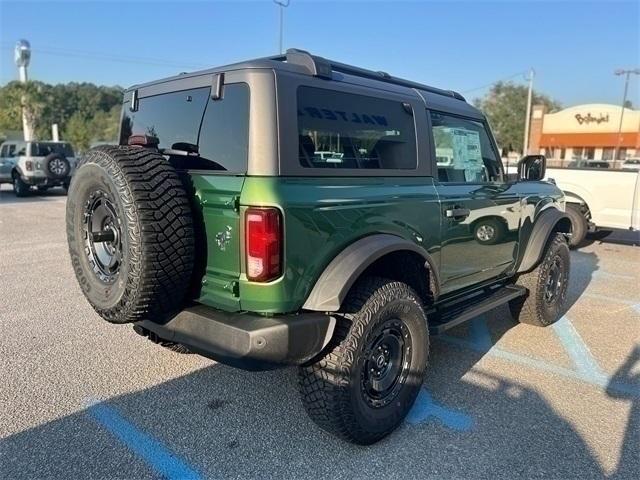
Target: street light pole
pixel 626 73
pixel 22 57
pixel 527 122
pixel 282 4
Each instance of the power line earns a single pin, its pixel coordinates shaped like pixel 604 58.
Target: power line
pixel 524 72
pixel 107 57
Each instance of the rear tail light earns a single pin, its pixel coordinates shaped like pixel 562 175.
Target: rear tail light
pixel 29 165
pixel 263 236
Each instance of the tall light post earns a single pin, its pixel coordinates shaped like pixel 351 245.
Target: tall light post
pixel 626 73
pixel 22 57
pixel 527 122
pixel 282 4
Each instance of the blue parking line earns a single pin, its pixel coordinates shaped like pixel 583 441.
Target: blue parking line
pixel 610 299
pixel 153 452
pixel 592 376
pixel 479 333
pixel 425 408
pixel 576 348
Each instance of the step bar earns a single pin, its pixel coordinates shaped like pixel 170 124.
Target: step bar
pixel 454 313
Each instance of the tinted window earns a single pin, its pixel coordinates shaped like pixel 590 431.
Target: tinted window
pixel 463 150
pixel 224 136
pixel 172 117
pixel 3 151
pixel 341 130
pixel 42 149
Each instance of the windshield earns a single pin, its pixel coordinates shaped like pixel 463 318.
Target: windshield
pixel 42 149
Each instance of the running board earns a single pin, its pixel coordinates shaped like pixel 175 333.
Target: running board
pixel 454 313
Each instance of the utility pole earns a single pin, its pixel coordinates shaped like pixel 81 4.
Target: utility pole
pixel 626 73
pixel 282 4
pixel 22 57
pixel 527 121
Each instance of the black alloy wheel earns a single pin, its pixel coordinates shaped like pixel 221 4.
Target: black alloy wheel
pixel 103 236
pixel 386 365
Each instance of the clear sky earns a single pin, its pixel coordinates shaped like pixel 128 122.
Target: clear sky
pixel 573 46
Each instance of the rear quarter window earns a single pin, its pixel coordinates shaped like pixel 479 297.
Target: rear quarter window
pixel 348 131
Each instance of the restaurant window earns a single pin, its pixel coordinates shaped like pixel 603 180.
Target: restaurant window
pixel 576 153
pixel 590 153
pixel 563 153
pixel 622 153
pixel 607 153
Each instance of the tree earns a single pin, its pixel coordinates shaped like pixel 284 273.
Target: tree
pixel 84 112
pixel 506 108
pixel 16 97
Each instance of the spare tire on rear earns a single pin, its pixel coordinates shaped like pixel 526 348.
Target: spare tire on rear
pixel 56 166
pixel 130 234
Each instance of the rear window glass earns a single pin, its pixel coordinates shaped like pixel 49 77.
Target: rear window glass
pixel 172 118
pixel 42 149
pixel 215 132
pixel 342 130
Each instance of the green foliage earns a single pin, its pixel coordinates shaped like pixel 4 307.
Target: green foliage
pixel 84 112
pixel 506 108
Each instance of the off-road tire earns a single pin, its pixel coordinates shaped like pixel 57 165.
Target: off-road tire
pixel 579 226
pixel 533 309
pixel 20 188
pixel 330 387
pixel 154 217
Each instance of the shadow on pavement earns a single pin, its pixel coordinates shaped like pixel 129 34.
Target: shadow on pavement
pixel 583 266
pixel 8 197
pixel 629 373
pixel 224 422
pixel 618 237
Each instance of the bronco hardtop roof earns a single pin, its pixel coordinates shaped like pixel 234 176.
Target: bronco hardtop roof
pixel 301 61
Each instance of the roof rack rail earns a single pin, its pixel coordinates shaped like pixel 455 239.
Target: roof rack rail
pixel 321 67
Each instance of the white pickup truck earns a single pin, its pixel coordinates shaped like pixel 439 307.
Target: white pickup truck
pixel 599 199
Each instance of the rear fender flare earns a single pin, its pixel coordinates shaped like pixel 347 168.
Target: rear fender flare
pixel 548 222
pixel 342 272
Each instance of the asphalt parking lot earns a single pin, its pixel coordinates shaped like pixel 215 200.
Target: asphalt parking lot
pixel 84 399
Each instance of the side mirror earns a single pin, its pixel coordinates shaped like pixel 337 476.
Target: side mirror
pixel 532 167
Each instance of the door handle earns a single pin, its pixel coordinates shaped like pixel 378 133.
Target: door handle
pixel 457 213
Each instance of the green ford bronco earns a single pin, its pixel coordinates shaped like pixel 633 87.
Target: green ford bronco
pixel 293 210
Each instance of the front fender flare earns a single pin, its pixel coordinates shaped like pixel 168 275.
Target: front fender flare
pixel 549 221
pixel 339 276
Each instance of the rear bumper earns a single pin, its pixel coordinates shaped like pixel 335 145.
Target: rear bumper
pixel 40 181
pixel 243 340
